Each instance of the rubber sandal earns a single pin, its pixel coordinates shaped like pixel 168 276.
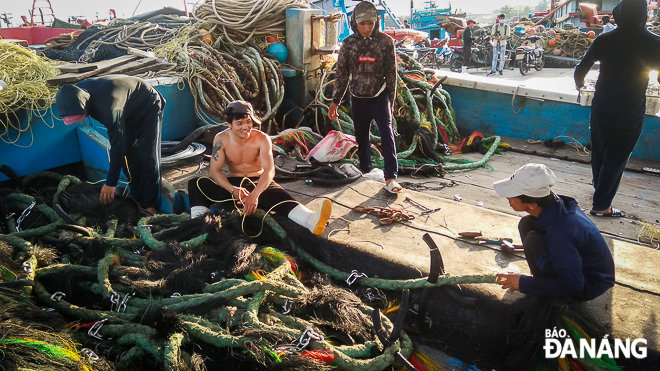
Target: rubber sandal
pixel 393 184
pixel 616 213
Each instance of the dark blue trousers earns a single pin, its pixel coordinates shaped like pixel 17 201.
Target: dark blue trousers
pixel 536 253
pixel 612 143
pixel 378 109
pixel 143 160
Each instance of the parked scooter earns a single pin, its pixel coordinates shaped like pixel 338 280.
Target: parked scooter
pixel 445 54
pixel 529 55
pixel 482 55
pixel 433 57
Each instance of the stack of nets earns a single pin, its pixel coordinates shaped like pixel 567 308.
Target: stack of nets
pixel 185 294
pixel 570 43
pixel 98 43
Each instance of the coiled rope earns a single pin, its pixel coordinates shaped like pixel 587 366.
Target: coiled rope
pixel 241 21
pixel 25 74
pixel 221 73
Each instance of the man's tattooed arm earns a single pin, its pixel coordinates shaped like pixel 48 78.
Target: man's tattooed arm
pixel 217 146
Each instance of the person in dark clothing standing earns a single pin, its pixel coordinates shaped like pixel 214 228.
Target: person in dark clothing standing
pixel 467 45
pixel 566 253
pixel 367 58
pixel 627 55
pixel 132 111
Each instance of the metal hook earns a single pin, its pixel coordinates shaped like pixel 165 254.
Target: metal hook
pixel 27 267
pixel 288 305
pixel 122 305
pixel 24 214
pixel 94 330
pixel 89 354
pixel 57 296
pixel 354 277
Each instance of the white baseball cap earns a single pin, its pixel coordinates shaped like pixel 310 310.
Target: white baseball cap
pixel 533 180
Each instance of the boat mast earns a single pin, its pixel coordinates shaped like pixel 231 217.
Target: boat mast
pixel 41 12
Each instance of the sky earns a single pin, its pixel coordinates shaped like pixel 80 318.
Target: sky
pixel 90 9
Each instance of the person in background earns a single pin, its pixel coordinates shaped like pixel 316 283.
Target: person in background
pixel 607 25
pixel 500 33
pixel 406 24
pixel 248 154
pixel 132 112
pixel 367 59
pixel 566 254
pixel 627 55
pixel 468 39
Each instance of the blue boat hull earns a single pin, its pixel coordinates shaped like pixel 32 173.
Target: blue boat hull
pixel 491 113
pixel 50 143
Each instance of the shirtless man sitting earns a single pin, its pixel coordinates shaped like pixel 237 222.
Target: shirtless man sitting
pixel 249 158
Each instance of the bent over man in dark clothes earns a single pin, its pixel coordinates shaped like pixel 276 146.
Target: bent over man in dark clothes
pixel 627 55
pixel 566 253
pixel 248 154
pixel 132 111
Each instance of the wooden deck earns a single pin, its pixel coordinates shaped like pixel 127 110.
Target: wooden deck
pixel 630 309
pixel 638 196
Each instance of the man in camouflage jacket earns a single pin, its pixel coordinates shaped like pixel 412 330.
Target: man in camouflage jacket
pixel 367 59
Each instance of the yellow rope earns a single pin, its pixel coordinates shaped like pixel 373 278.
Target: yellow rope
pixel 25 74
pixel 233 199
pixel 649 234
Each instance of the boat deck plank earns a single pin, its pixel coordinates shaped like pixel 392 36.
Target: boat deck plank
pixel 638 196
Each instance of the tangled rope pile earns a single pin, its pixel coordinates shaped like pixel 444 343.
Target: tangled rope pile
pixel 221 73
pixel 25 74
pixel 423 117
pixel 206 291
pixel 240 21
pixel 570 42
pixel 574 43
pixel 99 43
pixel 649 234
pixel 62 41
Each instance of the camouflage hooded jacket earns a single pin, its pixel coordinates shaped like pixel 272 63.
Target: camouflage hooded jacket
pixel 369 62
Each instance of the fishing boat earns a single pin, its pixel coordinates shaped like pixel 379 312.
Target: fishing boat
pixel 469 320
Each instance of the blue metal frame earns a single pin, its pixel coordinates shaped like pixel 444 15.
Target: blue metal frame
pixel 425 19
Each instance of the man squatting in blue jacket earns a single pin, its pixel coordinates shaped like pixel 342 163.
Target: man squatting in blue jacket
pixel 566 253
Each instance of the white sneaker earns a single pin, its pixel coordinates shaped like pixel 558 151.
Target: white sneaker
pixel 375 174
pixel 197 211
pixel 349 170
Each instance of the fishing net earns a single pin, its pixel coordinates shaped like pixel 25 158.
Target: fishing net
pixel 99 43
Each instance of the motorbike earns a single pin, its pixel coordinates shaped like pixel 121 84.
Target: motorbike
pixel 529 55
pixel 433 57
pixel 482 55
pixel 429 57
